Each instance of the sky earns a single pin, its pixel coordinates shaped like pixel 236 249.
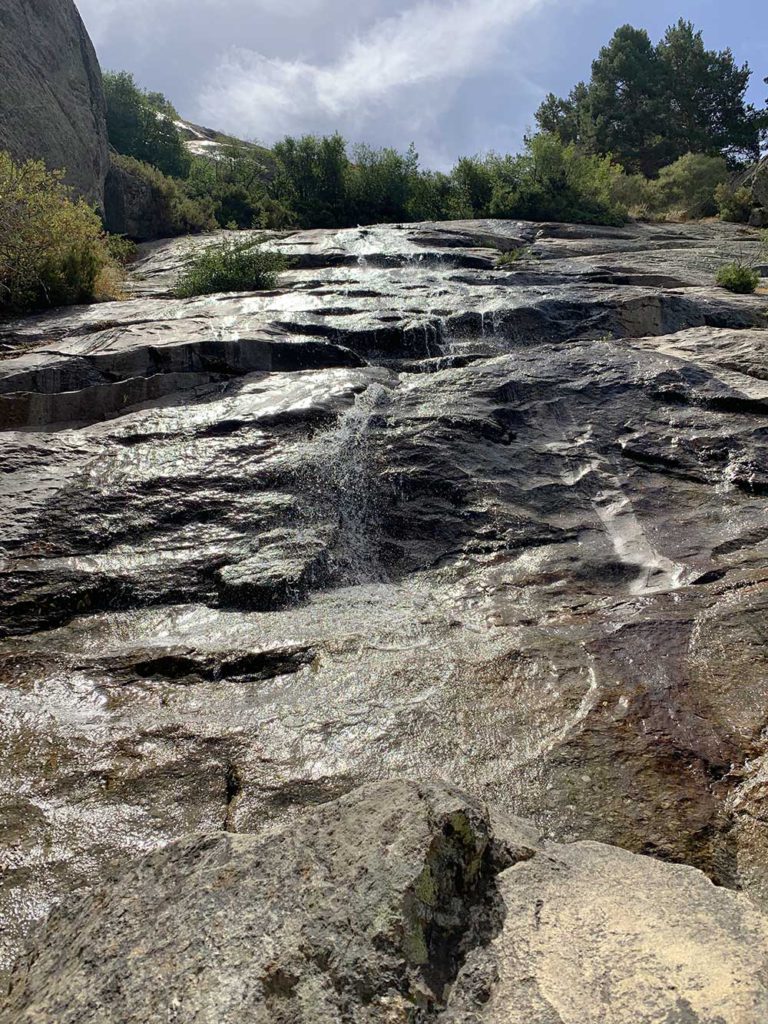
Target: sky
pixel 453 76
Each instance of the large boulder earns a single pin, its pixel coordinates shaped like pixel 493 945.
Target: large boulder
pixel 398 903
pixel 52 101
pixel 133 204
pixel 144 204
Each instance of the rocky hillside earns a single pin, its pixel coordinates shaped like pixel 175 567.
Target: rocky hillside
pixel 52 102
pixel 409 515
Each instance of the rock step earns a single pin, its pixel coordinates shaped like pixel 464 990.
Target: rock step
pixel 399 902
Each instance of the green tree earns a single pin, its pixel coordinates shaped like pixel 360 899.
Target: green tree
pixel 625 109
pixel 473 181
pixel 649 105
pixel 706 92
pixel 564 117
pixel 553 181
pixel 430 196
pixel 142 125
pixel 379 184
pixel 236 184
pixel 312 178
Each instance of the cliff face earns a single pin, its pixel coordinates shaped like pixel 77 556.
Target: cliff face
pixel 52 101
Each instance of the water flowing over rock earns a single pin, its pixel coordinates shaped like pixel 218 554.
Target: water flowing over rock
pixel 412 515
pixel 52 102
pixel 398 903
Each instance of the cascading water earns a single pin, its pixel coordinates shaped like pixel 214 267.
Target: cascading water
pixel 344 474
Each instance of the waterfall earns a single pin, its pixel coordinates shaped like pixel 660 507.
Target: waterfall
pixel 345 475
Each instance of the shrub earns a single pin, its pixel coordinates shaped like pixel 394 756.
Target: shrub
pixel 511 258
pixel 739 278
pixel 121 249
pixel 171 210
pixel 734 204
pixel 554 181
pixel 633 192
pixel 230 266
pixel 687 187
pixel 52 249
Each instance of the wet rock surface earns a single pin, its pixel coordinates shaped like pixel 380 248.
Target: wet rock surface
pixel 399 902
pixel 410 514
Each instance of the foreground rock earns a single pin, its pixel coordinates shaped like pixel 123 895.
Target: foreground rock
pixel 408 514
pixel 52 102
pixel 398 902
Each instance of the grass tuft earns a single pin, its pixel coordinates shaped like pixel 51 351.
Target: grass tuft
pixel 230 266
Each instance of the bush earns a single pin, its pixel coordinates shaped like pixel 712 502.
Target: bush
pixel 168 206
pixel 511 258
pixel 687 187
pixel 230 266
pixel 378 185
pixel 734 204
pixel 121 249
pixel 634 192
pixel 142 125
pixel 52 248
pixel 739 278
pixel 554 181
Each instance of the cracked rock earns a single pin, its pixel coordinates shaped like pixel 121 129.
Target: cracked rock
pixel 398 902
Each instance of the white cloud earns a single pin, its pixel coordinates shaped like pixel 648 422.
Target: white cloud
pixel 140 18
pixel 408 66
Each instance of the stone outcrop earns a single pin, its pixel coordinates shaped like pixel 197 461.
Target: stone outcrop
pixel 759 183
pixel 51 101
pixel 137 202
pixel 408 514
pixel 397 903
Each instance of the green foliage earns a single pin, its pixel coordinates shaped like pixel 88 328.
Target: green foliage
pixel 735 204
pixel 230 266
pixel 739 278
pixel 378 185
pixel 634 193
pixel 141 125
pixel 52 250
pixel 687 187
pixel 510 259
pixel 176 212
pixel 429 196
pixel 553 181
pixel 312 179
pixel 121 249
pixel 236 186
pixel 649 105
pixel 474 180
